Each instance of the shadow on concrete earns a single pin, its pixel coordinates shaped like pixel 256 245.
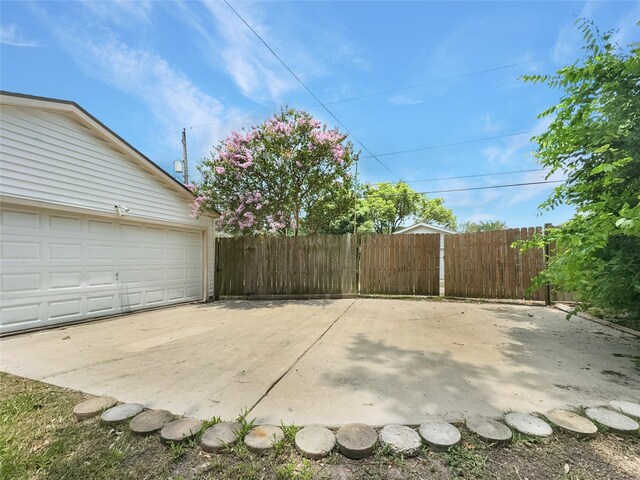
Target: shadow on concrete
pixel 540 361
pixel 231 304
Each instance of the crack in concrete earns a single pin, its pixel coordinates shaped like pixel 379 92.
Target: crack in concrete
pixel 272 386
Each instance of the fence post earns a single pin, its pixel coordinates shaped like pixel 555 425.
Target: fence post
pixel 216 269
pixel 547 287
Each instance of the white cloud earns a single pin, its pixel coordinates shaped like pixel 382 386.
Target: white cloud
pixel 256 72
pixel 569 41
pixel 511 149
pixel 525 193
pixel 121 12
pixel 10 35
pixel 171 97
pixel 404 100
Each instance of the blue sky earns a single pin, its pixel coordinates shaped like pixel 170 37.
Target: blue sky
pixel 147 69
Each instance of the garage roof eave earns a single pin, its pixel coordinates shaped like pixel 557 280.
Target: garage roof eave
pixel 82 115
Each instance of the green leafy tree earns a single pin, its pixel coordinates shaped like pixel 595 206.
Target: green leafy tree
pixel 387 206
pixel 286 176
pixel 482 226
pixel 594 139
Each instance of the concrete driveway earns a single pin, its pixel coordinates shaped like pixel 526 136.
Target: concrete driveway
pixel 337 361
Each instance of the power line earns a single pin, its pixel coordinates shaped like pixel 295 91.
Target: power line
pixel 309 90
pixel 476 175
pixel 487 187
pixel 463 142
pixel 441 80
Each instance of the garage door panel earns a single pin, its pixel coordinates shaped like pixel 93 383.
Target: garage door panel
pixel 20 251
pixel 19 221
pixel 20 314
pixel 175 237
pixel 99 228
pixel 97 278
pixel 155 296
pixel 101 304
pixel 65 224
pixel 20 282
pixel 65 251
pixel 194 291
pixel 154 275
pixel 176 254
pixel 65 280
pixel 69 307
pixel 59 267
pixel 100 252
pixel 130 299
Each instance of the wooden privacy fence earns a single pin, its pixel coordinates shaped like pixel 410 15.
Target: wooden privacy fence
pixel 286 265
pixel 400 264
pixel 484 265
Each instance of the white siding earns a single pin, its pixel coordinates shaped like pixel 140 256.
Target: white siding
pixel 51 157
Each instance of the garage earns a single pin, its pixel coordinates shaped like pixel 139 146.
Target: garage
pixel 89 227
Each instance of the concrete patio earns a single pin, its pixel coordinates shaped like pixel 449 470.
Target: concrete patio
pixel 332 362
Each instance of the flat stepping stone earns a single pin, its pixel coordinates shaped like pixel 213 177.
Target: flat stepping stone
pixel 528 424
pixel 628 408
pixel 218 436
pixel 181 430
pixel 356 440
pixel 489 430
pixel 401 440
pixel 572 422
pixel 121 413
pixel 263 437
pixel 150 421
pixel 92 407
pixel 315 442
pixel 439 436
pixel 614 421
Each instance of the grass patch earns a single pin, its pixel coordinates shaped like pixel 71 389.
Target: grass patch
pixel 465 462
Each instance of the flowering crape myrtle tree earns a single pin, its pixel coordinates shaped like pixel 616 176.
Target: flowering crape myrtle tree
pixel 279 178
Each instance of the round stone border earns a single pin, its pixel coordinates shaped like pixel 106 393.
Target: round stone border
pixel 614 421
pixel 121 413
pixel 93 406
pixel 315 442
pixel 358 440
pixel 439 436
pixel 528 424
pixel 400 440
pixel 263 437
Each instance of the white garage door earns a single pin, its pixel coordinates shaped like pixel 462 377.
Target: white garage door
pixel 60 267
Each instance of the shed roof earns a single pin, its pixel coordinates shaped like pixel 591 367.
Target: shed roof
pixel 427 225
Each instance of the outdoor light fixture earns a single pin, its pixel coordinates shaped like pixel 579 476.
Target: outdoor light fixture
pixel 122 210
pixel 178 166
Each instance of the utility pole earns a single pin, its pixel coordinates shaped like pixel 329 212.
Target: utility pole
pixel 184 157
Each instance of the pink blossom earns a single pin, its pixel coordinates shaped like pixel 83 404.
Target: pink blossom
pixel 220 170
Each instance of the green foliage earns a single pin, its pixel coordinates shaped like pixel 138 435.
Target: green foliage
pixel 295 471
pixel 594 139
pixel 465 463
pixel 288 175
pixel 385 207
pixel 245 425
pixel 488 226
pixel 389 205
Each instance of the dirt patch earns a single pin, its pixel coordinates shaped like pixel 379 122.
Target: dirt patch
pixel 40 438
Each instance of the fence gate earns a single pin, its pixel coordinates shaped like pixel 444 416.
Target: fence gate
pixel 400 264
pixel 484 265
pixel 286 265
